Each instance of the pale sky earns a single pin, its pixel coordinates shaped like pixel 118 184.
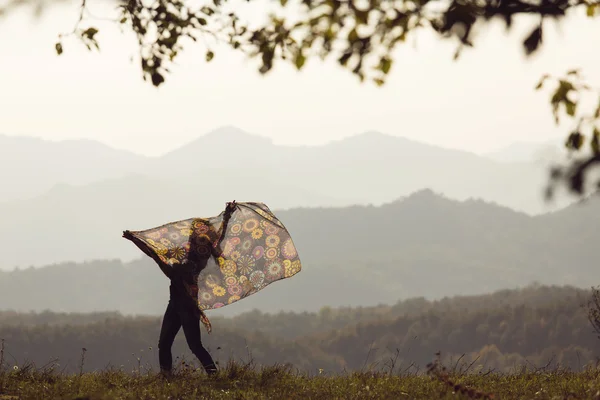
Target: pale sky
pixel 483 101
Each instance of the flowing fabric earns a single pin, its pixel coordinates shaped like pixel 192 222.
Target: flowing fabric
pixel 251 250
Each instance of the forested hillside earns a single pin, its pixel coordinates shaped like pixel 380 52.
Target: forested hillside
pixel 533 326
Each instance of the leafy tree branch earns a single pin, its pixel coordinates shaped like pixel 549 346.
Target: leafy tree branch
pixel 360 34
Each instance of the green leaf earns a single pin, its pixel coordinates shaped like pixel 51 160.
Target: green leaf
pixel 533 41
pixel 207 10
pixel 570 107
pixel 90 32
pixel 362 17
pixel 575 141
pixel 157 78
pixel 591 10
pixel 209 56
pixel 595 143
pixel 353 35
pixel 385 65
pixel 59 48
pixel 300 60
pixel 283 2
pixel 202 21
pixel 343 60
pixel 123 20
pixel 379 81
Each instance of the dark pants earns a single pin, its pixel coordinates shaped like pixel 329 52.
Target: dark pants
pixel 176 317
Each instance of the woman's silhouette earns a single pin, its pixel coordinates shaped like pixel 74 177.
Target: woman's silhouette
pixel 182 310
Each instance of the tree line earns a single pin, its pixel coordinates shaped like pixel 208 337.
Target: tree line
pixel 534 326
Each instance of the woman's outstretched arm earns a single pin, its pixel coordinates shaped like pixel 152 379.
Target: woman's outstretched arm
pixel 217 250
pixel 165 268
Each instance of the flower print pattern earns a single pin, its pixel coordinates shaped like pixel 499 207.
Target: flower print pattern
pixel 256 250
pixel 271 253
pixel 272 241
pixel 257 278
pixel 246 264
pixel 289 250
pixel 231 280
pixel 274 269
pixel 250 224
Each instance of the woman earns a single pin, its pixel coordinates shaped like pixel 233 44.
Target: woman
pixel 182 310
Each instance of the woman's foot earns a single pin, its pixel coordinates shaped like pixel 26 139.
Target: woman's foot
pixel 166 374
pixel 211 370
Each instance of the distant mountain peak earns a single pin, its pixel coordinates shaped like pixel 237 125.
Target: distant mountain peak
pixel 425 193
pixel 372 138
pixel 230 132
pixel 227 130
pixel 227 136
pixel 380 139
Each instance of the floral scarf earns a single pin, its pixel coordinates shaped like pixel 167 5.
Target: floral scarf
pixel 250 250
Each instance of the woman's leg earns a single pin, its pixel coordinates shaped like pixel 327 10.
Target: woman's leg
pixel 191 328
pixel 170 326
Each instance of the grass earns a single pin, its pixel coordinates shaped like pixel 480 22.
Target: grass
pixel 237 381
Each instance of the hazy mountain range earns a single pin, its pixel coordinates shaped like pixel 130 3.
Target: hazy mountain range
pixel 422 245
pixel 69 200
pixel 370 167
pixel 30 167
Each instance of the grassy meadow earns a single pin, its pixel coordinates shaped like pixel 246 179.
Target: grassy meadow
pixel 245 381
